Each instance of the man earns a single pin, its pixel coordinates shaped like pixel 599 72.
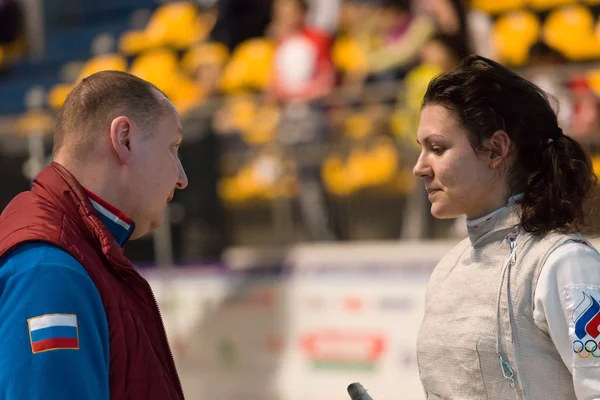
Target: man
pixel 77 320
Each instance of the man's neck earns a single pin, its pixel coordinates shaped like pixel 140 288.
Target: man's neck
pixel 120 225
pixel 101 189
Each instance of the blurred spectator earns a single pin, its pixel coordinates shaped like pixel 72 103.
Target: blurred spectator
pixel 303 67
pixel 239 20
pixel 324 14
pixel 450 17
pixel 303 76
pixel 402 36
pixel 204 63
pixel 440 52
pixel 351 43
pixel 542 64
pixel 584 121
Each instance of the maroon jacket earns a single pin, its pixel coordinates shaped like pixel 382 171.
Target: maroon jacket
pixel 57 210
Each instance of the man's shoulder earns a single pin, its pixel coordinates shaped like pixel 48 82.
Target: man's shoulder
pixel 29 217
pixel 32 255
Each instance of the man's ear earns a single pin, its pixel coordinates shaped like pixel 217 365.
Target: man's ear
pixel 499 145
pixel 120 137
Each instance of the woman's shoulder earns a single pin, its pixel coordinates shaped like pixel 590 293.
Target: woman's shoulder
pixel 574 258
pixel 573 246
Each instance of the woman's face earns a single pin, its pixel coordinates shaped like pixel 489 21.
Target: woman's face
pixel 458 180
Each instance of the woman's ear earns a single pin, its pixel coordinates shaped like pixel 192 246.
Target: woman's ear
pixel 499 146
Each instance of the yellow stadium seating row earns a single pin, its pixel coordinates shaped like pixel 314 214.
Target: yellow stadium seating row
pixel 570 30
pixel 249 67
pixel 501 6
pixel 173 26
pixel 177 24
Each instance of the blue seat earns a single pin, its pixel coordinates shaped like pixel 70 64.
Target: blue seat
pixel 12 94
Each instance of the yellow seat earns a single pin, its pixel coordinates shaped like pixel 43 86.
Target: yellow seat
pixel 497 6
pixel 211 53
pixel 335 177
pixel 263 128
pixel 382 166
pixel 160 67
pixel 242 110
pixel 34 122
pixel 405 120
pixel 58 94
pixel 358 126
pixel 348 56
pixel 176 25
pixel 156 66
pixel 593 79
pixel 185 93
pixel 262 178
pixel 513 35
pixel 250 66
pixel 570 30
pixel 596 164
pixel 542 5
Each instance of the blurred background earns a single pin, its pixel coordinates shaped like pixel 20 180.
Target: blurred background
pixel 296 260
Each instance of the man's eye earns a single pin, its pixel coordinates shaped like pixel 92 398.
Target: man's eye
pixel 437 150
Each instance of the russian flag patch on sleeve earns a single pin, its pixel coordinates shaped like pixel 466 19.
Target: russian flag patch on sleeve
pixel 53 332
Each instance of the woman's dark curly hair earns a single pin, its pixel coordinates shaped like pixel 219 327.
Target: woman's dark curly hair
pixel 551 169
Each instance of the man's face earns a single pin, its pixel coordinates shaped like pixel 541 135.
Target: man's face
pixel 156 172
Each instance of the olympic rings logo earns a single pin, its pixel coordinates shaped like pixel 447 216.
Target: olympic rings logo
pixel 584 350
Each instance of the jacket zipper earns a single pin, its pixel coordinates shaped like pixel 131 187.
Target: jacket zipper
pixel 133 272
pixel 512 242
pixel 162 324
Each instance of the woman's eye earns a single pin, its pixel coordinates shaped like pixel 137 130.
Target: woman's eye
pixel 437 150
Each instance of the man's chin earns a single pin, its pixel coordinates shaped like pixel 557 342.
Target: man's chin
pixel 143 231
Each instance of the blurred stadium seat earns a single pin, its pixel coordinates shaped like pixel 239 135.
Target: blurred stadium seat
pixel 161 67
pixel 263 129
pixel 542 5
pixel 250 66
pixel 363 168
pixel 498 6
pixel 105 62
pixel 177 25
pixel 156 66
pixel 570 30
pixel 34 122
pixel 348 56
pixel 592 78
pixel 263 177
pixel 596 164
pixel 358 125
pixel 513 34
pixel 211 53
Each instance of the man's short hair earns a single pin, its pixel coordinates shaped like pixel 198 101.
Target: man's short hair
pixel 96 101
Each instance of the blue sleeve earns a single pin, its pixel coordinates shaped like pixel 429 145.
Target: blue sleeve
pixel 53 327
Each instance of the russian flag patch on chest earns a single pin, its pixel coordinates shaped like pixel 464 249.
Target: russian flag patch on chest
pixel 53 332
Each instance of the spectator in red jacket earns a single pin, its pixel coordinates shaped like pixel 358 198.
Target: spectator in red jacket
pixel 303 67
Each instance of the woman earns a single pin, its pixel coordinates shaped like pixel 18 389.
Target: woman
pixel 512 311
